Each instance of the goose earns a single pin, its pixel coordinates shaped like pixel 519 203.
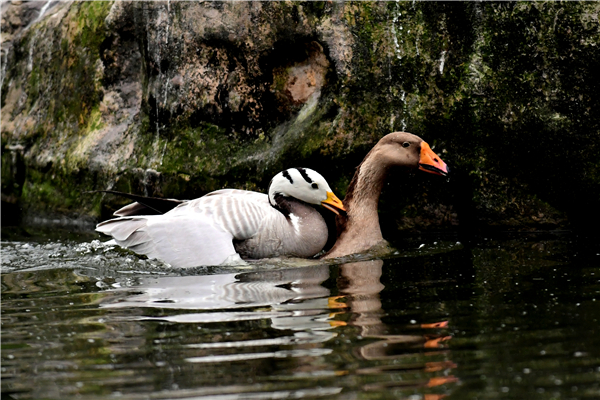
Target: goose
pixel 358 229
pixel 227 225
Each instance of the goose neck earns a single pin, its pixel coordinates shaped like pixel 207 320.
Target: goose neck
pixel 359 230
pixel 362 198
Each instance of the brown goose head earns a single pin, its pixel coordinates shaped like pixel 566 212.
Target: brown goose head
pixel 408 150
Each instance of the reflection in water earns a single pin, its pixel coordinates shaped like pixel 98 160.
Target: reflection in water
pixel 294 301
pixel 277 295
pixel 361 282
pixel 87 322
pixel 224 291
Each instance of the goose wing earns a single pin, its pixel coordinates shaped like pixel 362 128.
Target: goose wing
pixel 198 232
pixel 242 213
pixel 182 241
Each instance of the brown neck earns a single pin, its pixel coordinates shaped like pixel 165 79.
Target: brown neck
pixel 360 230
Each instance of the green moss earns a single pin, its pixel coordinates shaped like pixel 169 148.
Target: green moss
pixel 91 18
pixel 64 45
pixel 95 120
pixel 189 159
pixel 76 93
pixel 55 192
pixel 38 190
pixel 34 84
pixel 198 150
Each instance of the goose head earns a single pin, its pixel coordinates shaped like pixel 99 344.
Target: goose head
pixel 407 150
pixel 306 185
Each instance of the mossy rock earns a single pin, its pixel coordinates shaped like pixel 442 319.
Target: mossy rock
pixel 178 99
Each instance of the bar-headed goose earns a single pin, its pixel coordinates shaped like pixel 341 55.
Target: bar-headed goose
pixel 226 224
pixel 358 229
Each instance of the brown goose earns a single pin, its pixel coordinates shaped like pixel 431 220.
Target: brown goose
pixel 227 224
pixel 359 230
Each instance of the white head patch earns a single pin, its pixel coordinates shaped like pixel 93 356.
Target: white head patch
pixel 301 183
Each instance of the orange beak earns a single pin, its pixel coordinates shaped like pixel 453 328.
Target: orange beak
pixel 430 162
pixel 334 204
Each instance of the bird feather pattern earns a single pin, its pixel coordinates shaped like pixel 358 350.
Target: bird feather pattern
pixel 229 224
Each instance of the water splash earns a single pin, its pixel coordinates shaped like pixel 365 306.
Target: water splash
pixel 162 84
pixel 395 33
pixel 31 48
pixel 417 46
pixel 147 179
pixel 163 77
pixel 395 27
pixel 403 122
pixel 43 10
pixel 442 61
pixel 3 63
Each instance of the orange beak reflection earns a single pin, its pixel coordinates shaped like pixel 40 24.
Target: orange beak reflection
pixel 334 204
pixel 430 162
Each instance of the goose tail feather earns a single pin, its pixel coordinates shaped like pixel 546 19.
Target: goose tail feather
pixel 181 241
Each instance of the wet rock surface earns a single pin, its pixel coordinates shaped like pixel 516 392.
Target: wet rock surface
pixel 176 99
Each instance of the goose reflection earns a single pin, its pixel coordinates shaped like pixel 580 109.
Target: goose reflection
pixel 360 283
pixel 296 302
pixel 293 298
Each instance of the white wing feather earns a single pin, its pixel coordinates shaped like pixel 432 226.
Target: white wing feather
pixel 198 232
pixel 240 212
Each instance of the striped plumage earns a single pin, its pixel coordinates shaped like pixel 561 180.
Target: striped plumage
pixel 228 224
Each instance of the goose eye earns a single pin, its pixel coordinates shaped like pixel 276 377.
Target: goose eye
pixel 405 144
pixel 315 186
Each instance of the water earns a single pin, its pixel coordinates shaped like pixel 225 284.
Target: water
pixel 511 317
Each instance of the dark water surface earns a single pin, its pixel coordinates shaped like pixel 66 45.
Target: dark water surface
pixel 511 317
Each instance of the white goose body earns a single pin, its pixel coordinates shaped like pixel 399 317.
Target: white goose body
pixel 227 224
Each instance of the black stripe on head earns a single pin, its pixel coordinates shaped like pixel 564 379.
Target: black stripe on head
pixel 304 175
pixel 287 175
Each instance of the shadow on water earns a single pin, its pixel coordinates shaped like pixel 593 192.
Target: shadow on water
pixel 510 317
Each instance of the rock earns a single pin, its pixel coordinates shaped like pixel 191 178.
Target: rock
pixel 180 98
pixel 301 80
